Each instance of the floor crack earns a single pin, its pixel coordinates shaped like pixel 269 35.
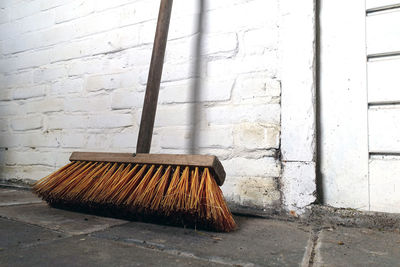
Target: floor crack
pixel 309 255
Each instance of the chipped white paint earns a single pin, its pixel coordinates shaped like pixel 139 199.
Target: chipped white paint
pixel 298 185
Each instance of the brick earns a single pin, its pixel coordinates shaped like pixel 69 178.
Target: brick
pixel 263 13
pixel 29 92
pixel 39 140
pixel 267 62
pixel 18 79
pixel 50 73
pixel 225 114
pixel 103 5
pixel 253 85
pixel 43 106
pixel 138 12
pixel 22 43
pixel 124 140
pixel 9 140
pixel 257 192
pixel 5 94
pixel 216 137
pixel 214 44
pixel 66 86
pixel 99 142
pixel 30 158
pixel 179 28
pixel 221 68
pixel 3 125
pixel 216 90
pixel 80 67
pixel 32 59
pixel 174 137
pixel 110 121
pixel 34 22
pixel 176 115
pixel 110 81
pixel 73 10
pixel 31 122
pixel 4 16
pixel 176 92
pixel 91 103
pixel 24 9
pixel 262 167
pixel 45 5
pixel 126 99
pixel 8 109
pixel 172 72
pixel 257 41
pixel 97 22
pixel 256 136
pixel 29 173
pixel 64 32
pixel 70 50
pixel 112 41
pixel 67 122
pixel 139 56
pixel 224 44
pixel 31 140
pixel 72 140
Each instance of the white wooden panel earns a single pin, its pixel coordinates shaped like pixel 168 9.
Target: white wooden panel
pixel 384 130
pixel 384 80
pixel 343 104
pixel 383 32
pixel 385 185
pixel 381 3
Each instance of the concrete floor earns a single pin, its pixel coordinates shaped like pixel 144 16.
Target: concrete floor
pixel 33 234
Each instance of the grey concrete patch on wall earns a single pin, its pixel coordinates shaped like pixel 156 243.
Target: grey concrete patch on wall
pixel 327 216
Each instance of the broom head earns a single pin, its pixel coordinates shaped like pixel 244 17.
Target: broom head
pixel 172 189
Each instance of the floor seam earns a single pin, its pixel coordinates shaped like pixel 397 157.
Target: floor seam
pixel 175 252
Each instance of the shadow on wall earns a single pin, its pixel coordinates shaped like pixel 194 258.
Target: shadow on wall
pixel 197 81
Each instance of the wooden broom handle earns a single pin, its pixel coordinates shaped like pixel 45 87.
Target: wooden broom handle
pixel 154 78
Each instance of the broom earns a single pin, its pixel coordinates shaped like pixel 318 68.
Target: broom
pixel 171 189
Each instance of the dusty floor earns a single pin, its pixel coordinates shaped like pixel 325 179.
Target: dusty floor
pixel 33 234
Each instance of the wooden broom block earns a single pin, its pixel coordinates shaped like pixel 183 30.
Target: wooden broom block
pixel 206 161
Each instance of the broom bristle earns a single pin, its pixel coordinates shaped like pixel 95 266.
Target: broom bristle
pixel 169 194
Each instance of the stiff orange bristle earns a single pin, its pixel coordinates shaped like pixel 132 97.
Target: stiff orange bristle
pixel 169 194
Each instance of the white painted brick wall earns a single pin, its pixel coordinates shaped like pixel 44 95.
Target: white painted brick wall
pixel 73 75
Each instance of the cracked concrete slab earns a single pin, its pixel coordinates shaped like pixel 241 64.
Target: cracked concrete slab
pixel 72 223
pixel 88 251
pixel 357 247
pixel 10 197
pixel 258 242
